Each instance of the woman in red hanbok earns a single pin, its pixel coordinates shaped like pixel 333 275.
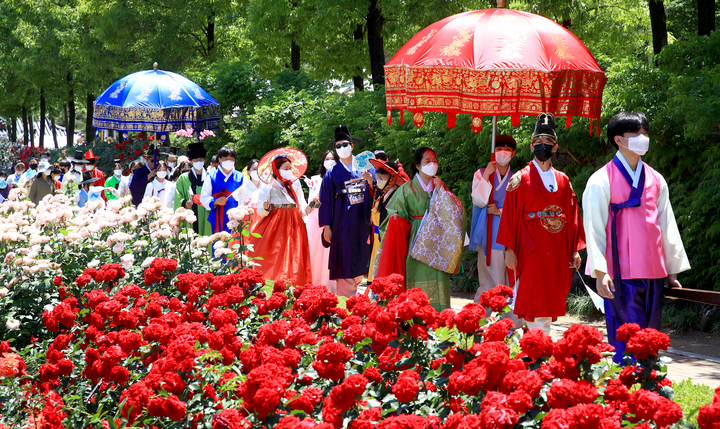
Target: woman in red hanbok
pixel 283 242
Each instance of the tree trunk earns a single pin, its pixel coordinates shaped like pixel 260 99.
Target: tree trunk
pixel 32 131
pixel 375 23
pixel 295 56
pixel 358 80
pixel 65 116
pixel 13 129
pixel 54 131
pixel 706 17
pixel 25 125
pixel 89 129
pixel 211 33
pixel 70 126
pixel 42 119
pixel 658 22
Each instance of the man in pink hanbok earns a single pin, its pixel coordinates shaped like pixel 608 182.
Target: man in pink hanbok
pixel 633 241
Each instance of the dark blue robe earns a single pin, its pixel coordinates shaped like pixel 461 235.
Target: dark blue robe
pixel 139 183
pixel 350 223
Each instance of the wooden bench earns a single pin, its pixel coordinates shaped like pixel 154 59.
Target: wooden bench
pixel 695 295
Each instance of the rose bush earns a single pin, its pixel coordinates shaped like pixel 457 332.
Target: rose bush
pixel 56 243
pixel 179 348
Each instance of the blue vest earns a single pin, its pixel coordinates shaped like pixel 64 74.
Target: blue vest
pixel 220 183
pixel 478 228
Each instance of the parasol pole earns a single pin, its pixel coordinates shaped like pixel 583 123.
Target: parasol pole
pixel 488 241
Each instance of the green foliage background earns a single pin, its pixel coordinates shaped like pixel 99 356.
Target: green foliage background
pixel 239 50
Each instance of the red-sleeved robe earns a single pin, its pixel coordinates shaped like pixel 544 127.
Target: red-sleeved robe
pixel 101 182
pixel 544 243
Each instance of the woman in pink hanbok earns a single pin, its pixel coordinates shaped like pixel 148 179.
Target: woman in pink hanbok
pixel 319 255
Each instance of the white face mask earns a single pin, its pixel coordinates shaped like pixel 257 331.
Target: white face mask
pixel 47 172
pixel 118 173
pixel 639 144
pixel 254 175
pixel 162 174
pixel 287 174
pixel 329 164
pixel 344 152
pixel 228 165
pixel 171 164
pixel 199 165
pixel 90 167
pixel 430 169
pixel 78 168
pixel 381 183
pixel 43 160
pixel 503 157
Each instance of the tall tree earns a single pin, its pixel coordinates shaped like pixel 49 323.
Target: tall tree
pixel 376 47
pixel 42 119
pixel 658 24
pixel 706 17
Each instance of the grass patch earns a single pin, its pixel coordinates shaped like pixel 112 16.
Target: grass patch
pixel 691 397
pixel 579 303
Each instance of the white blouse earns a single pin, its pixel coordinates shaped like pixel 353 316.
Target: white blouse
pixel 278 195
pixel 156 189
pixel 252 195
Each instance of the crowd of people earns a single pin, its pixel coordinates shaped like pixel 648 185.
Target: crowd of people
pixel 374 220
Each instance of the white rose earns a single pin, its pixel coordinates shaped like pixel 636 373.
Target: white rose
pixel 146 263
pixel 3 291
pixel 12 324
pixel 118 248
pixel 93 263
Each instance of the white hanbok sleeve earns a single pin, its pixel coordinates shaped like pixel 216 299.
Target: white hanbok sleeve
pixel 481 189
pixel 206 198
pixel 149 190
pixel 596 212
pixel 676 259
pixel 301 202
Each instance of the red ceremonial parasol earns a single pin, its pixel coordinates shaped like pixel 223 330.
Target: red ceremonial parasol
pixel 494 62
pixel 297 159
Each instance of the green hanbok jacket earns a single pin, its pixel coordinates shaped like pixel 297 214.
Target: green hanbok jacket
pixel 185 183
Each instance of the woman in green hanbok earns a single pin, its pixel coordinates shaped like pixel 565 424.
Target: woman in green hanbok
pixel 412 201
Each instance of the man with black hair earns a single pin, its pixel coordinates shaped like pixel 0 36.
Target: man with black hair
pixel 492 180
pixel 221 190
pixel 542 232
pixel 633 240
pixel 346 203
pixel 189 188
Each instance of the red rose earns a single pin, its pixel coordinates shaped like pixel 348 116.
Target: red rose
pixel 406 388
pixel 468 319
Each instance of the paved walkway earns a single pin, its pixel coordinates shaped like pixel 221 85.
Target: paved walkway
pixel 701 369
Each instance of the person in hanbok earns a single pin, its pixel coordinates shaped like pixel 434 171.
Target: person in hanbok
pixel 283 243
pixel 86 192
pixel 346 202
pixel 388 177
pixel 170 189
pixel 14 178
pixel 94 171
pixel 143 175
pixel 222 190
pixel 69 185
pixel 319 254
pixel 498 172
pixel 254 192
pixel 157 187
pixel 189 187
pixel 4 187
pixel 542 232
pixel 114 180
pixel 411 202
pixel 633 241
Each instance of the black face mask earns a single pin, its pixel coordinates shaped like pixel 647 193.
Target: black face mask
pixel 33 166
pixel 543 151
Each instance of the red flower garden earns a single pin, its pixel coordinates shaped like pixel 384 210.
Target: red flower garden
pixel 230 352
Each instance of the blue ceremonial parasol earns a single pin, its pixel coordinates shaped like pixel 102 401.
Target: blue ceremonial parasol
pixel 155 101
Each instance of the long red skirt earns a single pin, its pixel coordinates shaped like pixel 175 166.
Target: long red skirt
pixel 283 245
